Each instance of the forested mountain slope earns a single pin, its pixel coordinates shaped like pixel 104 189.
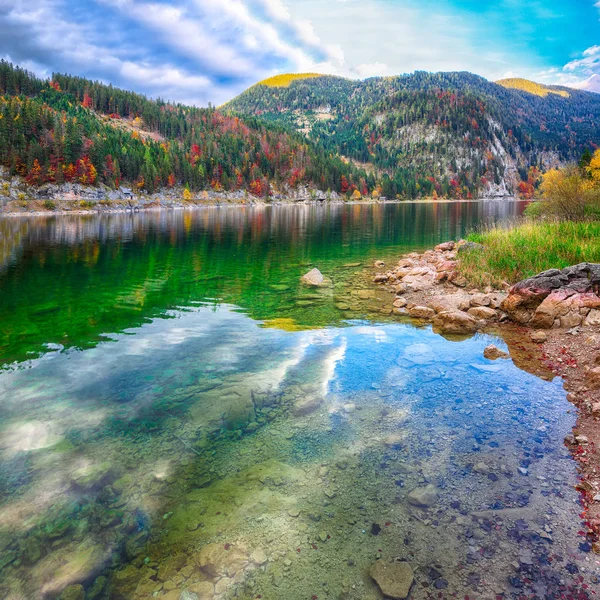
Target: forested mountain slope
pixel 436 133
pixel 70 129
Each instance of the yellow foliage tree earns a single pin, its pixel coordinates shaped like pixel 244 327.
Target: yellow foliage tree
pixel 187 195
pixel 567 193
pixel 356 195
pixel 594 167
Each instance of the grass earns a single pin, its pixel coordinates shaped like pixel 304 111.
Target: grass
pixel 527 248
pixel 530 86
pixel 286 79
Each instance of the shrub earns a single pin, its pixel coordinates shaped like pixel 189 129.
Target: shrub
pixel 49 204
pixel 567 194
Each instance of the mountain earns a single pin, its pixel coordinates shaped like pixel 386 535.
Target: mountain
pixel 69 129
pixel 451 134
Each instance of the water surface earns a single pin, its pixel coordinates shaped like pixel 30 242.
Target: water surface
pixel 178 413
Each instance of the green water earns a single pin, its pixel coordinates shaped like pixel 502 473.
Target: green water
pixel 180 418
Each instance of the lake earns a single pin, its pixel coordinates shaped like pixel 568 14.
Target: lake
pixel 182 419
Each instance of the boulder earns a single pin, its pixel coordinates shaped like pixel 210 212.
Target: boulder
pixel 313 277
pixel 456 322
pixel 483 312
pixel 555 298
pixel 423 497
pixel 445 247
pixel 394 579
pixel 494 353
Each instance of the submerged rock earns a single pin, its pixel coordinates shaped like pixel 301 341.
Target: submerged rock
pixel 73 592
pixel 313 277
pixel 305 406
pixel 423 497
pixel 204 590
pixel 394 579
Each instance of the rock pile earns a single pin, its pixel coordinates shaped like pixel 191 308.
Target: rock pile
pixel 430 287
pixel 557 298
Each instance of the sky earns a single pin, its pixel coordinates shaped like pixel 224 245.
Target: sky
pixel 201 51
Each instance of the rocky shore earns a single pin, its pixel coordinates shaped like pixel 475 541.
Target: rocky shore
pixel 550 322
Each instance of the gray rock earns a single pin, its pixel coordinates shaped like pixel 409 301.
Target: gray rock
pixel 423 497
pixel 187 595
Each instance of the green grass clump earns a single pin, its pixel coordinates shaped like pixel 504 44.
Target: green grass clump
pixel 530 247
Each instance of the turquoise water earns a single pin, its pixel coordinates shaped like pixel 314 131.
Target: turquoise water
pixel 180 418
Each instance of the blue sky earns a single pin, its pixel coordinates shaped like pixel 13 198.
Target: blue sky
pixel 200 51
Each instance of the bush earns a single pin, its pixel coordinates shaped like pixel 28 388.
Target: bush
pixel 49 204
pixel 568 194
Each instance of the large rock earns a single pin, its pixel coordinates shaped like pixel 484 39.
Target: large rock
pixel 421 312
pixel 555 298
pixel 394 579
pixel 423 497
pixel 483 312
pixel 456 322
pixel 313 277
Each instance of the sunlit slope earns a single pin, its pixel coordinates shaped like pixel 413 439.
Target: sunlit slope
pixel 537 89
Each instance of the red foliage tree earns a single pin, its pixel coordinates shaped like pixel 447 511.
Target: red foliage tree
pixel 87 100
pixel 35 175
pixel 344 185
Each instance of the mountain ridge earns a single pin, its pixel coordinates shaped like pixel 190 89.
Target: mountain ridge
pixel 463 134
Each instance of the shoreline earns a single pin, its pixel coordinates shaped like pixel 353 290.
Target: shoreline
pixel 225 204
pixel 441 298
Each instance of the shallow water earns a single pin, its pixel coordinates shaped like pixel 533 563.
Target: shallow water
pixel 178 413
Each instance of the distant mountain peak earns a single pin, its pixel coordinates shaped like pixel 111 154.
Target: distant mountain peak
pixel 537 89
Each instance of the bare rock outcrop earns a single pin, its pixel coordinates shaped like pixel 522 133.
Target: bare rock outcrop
pixel 556 298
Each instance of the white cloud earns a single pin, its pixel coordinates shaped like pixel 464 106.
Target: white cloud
pixel 581 73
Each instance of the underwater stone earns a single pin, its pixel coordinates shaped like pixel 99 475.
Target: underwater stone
pixel 313 277
pixel 307 405
pixel 73 592
pixel 97 588
pixel 423 497
pixel 203 590
pixel 187 595
pixel 394 579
